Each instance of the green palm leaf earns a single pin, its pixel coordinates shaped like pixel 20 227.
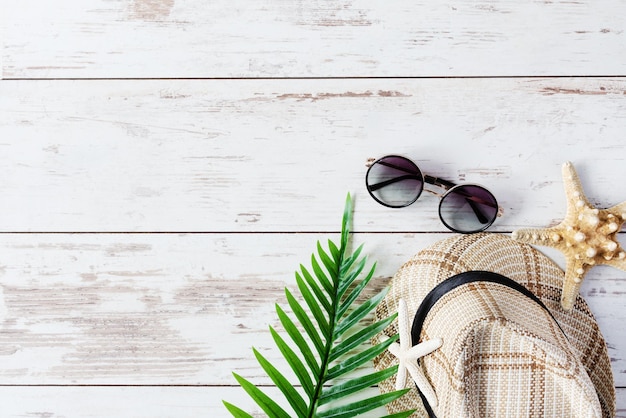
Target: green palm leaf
pixel 326 327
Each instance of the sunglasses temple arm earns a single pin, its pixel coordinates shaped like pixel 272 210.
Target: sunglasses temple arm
pixel 479 214
pixel 377 186
pixel 448 185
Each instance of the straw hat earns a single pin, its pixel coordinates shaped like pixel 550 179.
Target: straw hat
pixel 488 346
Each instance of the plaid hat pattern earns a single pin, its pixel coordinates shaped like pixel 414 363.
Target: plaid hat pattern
pixel 499 343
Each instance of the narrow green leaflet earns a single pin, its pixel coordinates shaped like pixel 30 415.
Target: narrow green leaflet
pixel 356 408
pixel 236 412
pixel 328 338
pixel 304 319
pixel 295 363
pixel 356 384
pixel 404 414
pixel 295 335
pixel 347 302
pixel 351 277
pixel 292 395
pixel 315 288
pixel 358 314
pixel 359 359
pixel 268 405
pixel 360 337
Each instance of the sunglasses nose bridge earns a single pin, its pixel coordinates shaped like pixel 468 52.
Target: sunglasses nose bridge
pixel 436 181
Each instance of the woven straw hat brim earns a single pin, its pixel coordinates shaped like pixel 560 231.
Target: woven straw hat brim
pixel 520 262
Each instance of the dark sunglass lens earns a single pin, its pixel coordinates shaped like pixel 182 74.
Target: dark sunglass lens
pixel 468 208
pixel 394 181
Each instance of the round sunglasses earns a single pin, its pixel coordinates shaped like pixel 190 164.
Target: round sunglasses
pixel 396 182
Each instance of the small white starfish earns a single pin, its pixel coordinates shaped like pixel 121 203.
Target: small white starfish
pixel 408 354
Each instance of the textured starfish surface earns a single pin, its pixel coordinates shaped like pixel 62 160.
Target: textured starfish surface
pixel 587 236
pixel 408 354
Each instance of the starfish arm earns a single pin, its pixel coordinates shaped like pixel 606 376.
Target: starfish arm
pixel 395 349
pixel 401 376
pixel 400 355
pixel 422 384
pixel 621 207
pixel 404 326
pixel 573 189
pixel 424 348
pixel 574 273
pixel 619 263
pixel 619 211
pixel 538 236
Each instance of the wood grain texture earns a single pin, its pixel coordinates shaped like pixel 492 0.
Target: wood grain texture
pixel 280 155
pixel 337 38
pixel 163 309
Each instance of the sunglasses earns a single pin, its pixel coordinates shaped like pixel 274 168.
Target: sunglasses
pixel 396 182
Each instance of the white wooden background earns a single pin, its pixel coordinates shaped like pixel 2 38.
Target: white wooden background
pixel 167 164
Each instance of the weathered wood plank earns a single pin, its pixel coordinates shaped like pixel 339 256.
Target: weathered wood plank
pixel 280 155
pixel 144 402
pixel 181 309
pixel 251 38
pixel 133 402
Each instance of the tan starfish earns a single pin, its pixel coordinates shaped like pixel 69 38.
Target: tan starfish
pixel 587 236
